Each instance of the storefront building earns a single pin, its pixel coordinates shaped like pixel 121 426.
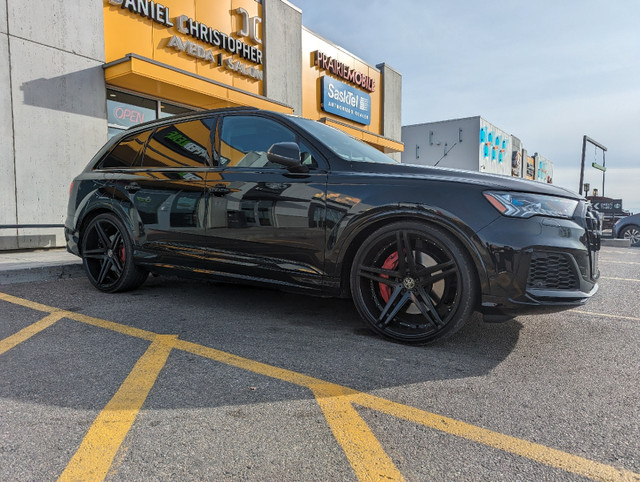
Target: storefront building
pixel 76 72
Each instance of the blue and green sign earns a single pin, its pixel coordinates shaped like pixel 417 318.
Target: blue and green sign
pixel 345 101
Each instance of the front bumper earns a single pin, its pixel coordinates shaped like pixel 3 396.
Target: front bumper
pixel 72 240
pixel 543 265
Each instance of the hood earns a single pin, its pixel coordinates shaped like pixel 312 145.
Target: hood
pixel 491 181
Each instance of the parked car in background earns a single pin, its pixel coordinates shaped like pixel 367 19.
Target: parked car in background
pixel 628 228
pixel 250 196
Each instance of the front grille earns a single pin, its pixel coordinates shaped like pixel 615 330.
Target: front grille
pixel 552 271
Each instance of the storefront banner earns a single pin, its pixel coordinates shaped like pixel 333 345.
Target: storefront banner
pixel 345 101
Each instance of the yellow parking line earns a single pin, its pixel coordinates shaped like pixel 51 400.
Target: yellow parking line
pixel 593 313
pixel 529 450
pixel 26 333
pixel 95 455
pixel 552 457
pixel 28 304
pixel 110 325
pixel 615 262
pixel 620 279
pixel 343 397
pixel 363 450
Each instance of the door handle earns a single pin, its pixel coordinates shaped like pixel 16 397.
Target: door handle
pixel 219 190
pixel 132 187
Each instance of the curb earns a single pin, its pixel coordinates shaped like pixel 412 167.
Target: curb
pixel 618 243
pixel 31 274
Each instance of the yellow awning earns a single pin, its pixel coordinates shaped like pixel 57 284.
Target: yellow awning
pixel 385 144
pixel 147 76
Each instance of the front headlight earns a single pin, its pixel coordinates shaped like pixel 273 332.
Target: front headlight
pixel 526 205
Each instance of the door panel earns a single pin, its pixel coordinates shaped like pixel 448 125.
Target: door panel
pixel 167 190
pixel 262 220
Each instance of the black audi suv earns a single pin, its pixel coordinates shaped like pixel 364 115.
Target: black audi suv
pixel 257 197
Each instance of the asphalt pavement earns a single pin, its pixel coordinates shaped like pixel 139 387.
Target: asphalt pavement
pixel 212 382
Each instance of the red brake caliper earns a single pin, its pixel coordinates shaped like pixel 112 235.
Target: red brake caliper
pixel 121 253
pixel 391 263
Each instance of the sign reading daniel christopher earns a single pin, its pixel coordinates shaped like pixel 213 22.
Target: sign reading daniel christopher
pixel 345 101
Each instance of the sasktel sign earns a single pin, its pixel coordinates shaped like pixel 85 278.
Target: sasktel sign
pixel 345 101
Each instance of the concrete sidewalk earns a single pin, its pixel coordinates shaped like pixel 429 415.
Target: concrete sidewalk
pixel 38 265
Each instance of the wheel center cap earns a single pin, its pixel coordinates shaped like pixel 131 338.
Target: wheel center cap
pixel 110 253
pixel 409 283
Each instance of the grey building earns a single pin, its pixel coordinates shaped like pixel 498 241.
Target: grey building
pixel 471 143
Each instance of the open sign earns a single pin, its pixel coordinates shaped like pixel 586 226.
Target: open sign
pixel 131 115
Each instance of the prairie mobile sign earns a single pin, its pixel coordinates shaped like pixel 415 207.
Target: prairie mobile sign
pixel 335 67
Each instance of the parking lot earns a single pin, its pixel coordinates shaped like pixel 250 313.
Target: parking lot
pixel 194 380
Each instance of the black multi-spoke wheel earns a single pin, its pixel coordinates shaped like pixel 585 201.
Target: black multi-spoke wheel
pixel 107 255
pixel 413 283
pixel 632 233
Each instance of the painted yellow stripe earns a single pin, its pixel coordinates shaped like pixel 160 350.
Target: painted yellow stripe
pixel 552 457
pixel 112 326
pixel 89 320
pixel 540 453
pixel 530 450
pixel 620 279
pixel 26 333
pixel 615 262
pixel 363 450
pixel 28 304
pixel 106 434
pixel 632 318
pixel 251 365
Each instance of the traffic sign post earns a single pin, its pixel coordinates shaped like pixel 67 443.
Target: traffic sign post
pixel 602 167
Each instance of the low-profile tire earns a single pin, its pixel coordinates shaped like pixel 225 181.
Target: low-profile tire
pixel 107 255
pixel 413 283
pixel 631 232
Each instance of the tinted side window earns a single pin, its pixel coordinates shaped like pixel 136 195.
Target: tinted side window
pixel 127 154
pixel 184 144
pixel 244 140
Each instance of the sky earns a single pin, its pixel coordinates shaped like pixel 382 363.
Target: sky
pixel 548 72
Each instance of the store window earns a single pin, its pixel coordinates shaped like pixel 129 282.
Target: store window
pixel 168 110
pixel 125 110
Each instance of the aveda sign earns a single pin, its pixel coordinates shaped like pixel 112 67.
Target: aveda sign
pixel 221 43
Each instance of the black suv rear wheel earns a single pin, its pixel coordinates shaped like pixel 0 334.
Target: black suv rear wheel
pixel 107 255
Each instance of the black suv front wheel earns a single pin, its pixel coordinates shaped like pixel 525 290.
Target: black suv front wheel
pixel 413 283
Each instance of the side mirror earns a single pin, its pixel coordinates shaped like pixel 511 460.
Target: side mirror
pixel 287 154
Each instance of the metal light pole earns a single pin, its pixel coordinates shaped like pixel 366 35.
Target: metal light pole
pixel 602 168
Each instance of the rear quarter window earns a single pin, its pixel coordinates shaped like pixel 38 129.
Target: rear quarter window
pixel 180 145
pixel 127 154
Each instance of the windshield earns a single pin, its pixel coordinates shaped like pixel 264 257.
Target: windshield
pixel 345 146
